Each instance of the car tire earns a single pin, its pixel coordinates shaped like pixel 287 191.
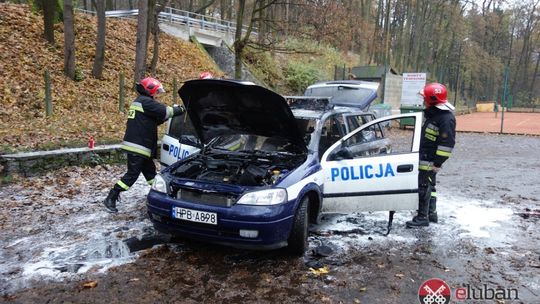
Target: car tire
pixel 298 239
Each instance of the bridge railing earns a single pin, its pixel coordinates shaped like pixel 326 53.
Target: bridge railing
pixel 182 17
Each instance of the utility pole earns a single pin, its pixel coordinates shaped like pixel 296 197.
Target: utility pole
pixel 504 100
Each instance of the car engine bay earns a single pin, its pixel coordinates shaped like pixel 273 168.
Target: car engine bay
pixel 247 168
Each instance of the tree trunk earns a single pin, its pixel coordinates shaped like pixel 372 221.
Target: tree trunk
pixel 150 20
pixel 99 58
pixel 222 9
pixel 230 11
pixel 49 7
pixel 238 40
pixel 140 45
pixel 155 33
pixel 69 40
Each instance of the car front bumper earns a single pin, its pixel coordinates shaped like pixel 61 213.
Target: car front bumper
pixel 273 223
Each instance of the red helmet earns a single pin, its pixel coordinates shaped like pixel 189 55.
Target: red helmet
pixel 151 86
pixel 206 75
pixel 434 94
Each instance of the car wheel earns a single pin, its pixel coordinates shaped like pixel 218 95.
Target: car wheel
pixel 298 239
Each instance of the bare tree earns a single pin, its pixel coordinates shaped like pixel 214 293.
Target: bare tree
pixel 242 38
pixel 49 7
pixel 206 4
pixel 99 58
pixel 140 46
pixel 69 40
pixel 154 29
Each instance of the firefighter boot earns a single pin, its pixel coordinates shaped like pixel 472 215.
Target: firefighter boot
pixel 421 220
pixel 433 218
pixel 110 201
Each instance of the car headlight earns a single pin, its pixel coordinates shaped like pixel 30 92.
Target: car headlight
pixel 264 197
pixel 160 184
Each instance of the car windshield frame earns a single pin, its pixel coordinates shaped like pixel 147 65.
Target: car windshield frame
pixel 343 94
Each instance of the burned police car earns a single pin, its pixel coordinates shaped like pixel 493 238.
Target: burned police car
pixel 268 166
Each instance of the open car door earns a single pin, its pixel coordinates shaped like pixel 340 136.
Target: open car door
pixel 179 142
pixel 374 168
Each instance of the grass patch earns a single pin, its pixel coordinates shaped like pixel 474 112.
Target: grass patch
pixel 301 63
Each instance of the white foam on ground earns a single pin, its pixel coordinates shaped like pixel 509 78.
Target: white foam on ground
pixel 458 216
pixel 475 217
pixel 81 241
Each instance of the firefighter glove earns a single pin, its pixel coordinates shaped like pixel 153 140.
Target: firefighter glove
pixel 178 110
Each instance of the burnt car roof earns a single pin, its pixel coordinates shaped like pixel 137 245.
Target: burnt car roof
pixel 223 107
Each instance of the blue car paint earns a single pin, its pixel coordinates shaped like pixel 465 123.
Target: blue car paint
pixel 273 222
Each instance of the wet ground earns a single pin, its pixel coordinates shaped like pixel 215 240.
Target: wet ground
pixel 58 245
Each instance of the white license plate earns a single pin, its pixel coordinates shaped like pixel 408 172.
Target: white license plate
pixel 194 215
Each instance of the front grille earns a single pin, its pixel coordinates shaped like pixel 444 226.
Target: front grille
pixel 214 199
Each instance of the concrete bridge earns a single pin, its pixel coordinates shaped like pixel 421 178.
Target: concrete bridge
pixel 209 31
pixel 216 35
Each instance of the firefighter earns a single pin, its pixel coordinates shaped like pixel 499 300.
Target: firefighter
pixel 436 144
pixel 140 139
pixel 206 75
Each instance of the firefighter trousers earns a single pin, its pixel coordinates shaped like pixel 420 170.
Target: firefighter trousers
pixel 136 164
pixel 426 191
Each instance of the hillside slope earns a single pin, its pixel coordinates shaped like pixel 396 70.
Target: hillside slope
pixel 81 109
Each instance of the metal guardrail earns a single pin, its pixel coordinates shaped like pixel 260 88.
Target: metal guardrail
pixel 184 18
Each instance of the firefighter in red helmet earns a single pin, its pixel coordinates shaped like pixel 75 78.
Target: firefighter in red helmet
pixel 436 144
pixel 140 139
pixel 206 75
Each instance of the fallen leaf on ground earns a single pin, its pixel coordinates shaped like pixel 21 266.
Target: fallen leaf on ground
pixel 319 271
pixel 91 284
pixel 399 275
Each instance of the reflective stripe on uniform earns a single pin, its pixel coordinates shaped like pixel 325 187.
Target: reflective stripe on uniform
pixel 151 182
pixel 430 137
pixel 122 185
pixel 425 165
pixel 432 132
pixel 433 127
pixel 169 113
pixel 137 106
pixel 444 151
pixel 433 194
pixel 131 147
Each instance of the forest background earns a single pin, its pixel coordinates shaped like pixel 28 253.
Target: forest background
pixel 482 50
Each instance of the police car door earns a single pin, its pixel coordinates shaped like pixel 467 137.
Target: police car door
pixel 374 167
pixel 180 140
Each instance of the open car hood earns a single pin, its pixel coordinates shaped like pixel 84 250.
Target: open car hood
pixel 224 107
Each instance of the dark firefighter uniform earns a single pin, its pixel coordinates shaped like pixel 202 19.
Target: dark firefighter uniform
pixel 140 140
pixel 436 144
